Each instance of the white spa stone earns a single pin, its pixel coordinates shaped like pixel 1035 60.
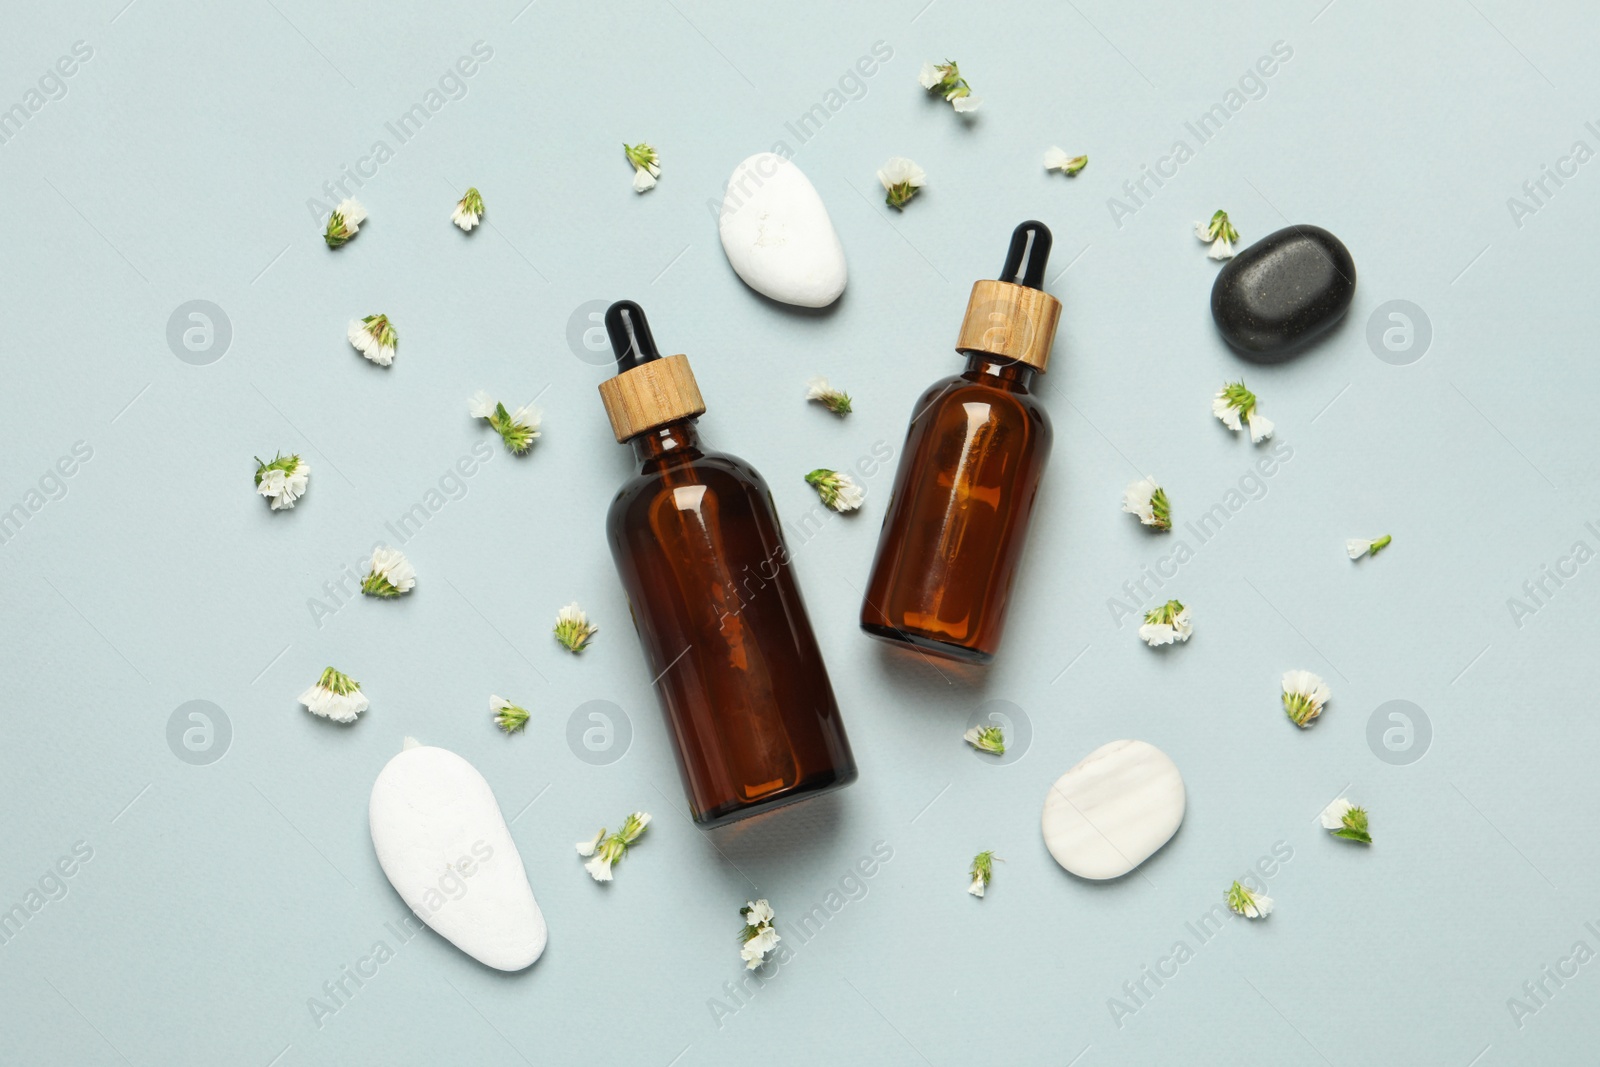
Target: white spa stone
pixel 445 846
pixel 777 233
pixel 1113 810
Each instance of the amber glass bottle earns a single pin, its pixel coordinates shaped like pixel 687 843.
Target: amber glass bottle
pixel 697 543
pixel 969 472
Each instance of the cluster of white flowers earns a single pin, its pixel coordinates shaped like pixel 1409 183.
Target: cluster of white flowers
pixel 389 574
pixel 573 629
pixel 1234 403
pixel 469 210
pixel 1304 695
pixel 838 491
pixel 981 872
pixel 1219 234
pixel 336 696
pixel 835 400
pixel 1248 902
pixel 1357 547
pixel 1146 499
pixel 900 178
pixel 758 936
pixel 344 223
pixel 1348 821
pixel 283 481
pixel 508 716
pixel 1167 624
pixel 375 338
pixel 517 429
pixel 604 851
pixel 646 165
pixel 986 739
pixel 946 80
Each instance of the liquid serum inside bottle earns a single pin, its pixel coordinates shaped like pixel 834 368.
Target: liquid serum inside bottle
pixel 697 544
pixel 970 471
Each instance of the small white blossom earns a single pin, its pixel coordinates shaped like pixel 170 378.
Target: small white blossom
pixel 1236 406
pixel 900 178
pixel 1219 234
pixel 946 80
pixel 838 491
pixel 646 165
pixel 469 209
pixel 606 851
pixel 389 574
pixel 511 718
pixel 375 338
pixel 1146 499
pixel 1357 547
pixel 835 400
pixel 344 223
pixel 1304 695
pixel 1056 159
pixel 982 873
pixel 986 739
pixel 336 696
pixel 1248 902
pixel 759 936
pixel 283 481
pixel 573 629
pixel 1346 820
pixel 1166 624
pixel 517 429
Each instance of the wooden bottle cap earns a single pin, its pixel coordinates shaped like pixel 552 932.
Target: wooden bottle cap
pixel 1006 319
pixel 651 395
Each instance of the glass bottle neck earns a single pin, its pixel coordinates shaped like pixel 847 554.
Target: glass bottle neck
pixel 999 371
pixel 673 439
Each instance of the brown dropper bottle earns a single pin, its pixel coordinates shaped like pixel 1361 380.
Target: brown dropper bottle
pixel 969 472
pixel 697 543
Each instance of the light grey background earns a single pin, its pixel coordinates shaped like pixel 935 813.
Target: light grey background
pixel 220 898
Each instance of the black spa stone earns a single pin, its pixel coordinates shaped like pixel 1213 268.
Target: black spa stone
pixel 1284 291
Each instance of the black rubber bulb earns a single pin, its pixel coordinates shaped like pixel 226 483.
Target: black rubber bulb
pixel 1027 256
pixel 630 336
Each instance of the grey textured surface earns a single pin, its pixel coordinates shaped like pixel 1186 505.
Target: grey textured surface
pixel 175 164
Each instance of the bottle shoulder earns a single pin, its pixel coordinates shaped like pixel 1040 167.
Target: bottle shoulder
pixel 1004 403
pixel 717 471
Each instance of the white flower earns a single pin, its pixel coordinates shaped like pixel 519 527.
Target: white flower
pixel 1233 402
pixel 1249 903
pixel 1358 547
pixel 1346 820
pixel 573 629
pixel 469 209
pixel 511 718
pixel 1056 159
pixel 1219 234
pixel 518 429
pixel 901 178
pixel 283 481
pixel 982 872
pixel 946 80
pixel 1146 499
pixel 1333 814
pixel 758 935
pixel 1304 695
pixel 375 338
pixel 607 851
pixel 838 491
pixel 835 400
pixel 1166 624
pixel 646 165
pixel 986 739
pixel 389 574
pixel 336 696
pixel 344 223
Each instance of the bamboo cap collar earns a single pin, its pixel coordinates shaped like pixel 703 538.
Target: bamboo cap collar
pixel 651 395
pixel 1010 320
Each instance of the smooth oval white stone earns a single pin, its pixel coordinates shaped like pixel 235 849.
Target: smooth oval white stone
pixel 777 233
pixel 445 846
pixel 1113 810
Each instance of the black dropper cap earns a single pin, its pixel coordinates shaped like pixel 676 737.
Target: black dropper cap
pixel 630 336
pixel 1025 259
